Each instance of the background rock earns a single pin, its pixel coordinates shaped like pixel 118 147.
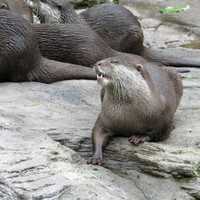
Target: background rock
pixel 165 30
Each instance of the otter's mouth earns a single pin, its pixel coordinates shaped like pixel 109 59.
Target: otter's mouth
pixel 102 77
pixel 101 74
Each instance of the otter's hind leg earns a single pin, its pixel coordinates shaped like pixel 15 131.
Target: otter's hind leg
pixel 152 135
pixel 138 139
pixel 100 138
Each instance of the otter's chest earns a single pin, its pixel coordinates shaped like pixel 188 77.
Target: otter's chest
pixel 122 118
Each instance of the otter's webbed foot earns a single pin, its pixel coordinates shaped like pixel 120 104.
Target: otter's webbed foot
pixel 95 160
pixel 138 139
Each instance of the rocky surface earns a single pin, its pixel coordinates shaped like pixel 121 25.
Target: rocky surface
pixel 34 116
pixel 45 135
pixel 39 168
pixel 164 30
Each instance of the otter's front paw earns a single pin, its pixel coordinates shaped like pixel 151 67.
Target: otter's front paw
pixel 95 160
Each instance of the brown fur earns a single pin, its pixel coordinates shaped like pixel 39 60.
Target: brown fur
pixel 122 31
pixel 117 26
pixel 138 101
pixel 20 58
pixel 73 43
pixel 17 6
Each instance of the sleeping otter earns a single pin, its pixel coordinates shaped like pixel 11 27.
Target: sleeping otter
pixel 72 43
pixel 138 101
pixel 20 58
pixel 115 24
pixel 122 31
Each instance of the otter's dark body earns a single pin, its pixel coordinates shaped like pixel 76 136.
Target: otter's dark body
pixel 73 43
pixel 117 26
pixel 20 58
pixel 122 31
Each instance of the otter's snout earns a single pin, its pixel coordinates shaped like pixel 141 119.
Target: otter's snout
pixel 101 70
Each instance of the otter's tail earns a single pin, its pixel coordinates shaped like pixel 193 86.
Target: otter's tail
pixel 179 57
pixel 50 71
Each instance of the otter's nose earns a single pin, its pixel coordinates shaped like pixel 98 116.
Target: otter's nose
pixel 98 65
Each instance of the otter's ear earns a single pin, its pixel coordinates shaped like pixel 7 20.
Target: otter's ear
pixel 139 67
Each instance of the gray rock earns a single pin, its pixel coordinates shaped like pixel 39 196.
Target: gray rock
pixel 193 188
pixel 163 160
pixel 35 165
pixel 170 30
pixel 40 168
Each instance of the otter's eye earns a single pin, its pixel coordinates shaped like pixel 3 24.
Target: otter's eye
pixel 114 61
pixel 139 67
pixel 4 6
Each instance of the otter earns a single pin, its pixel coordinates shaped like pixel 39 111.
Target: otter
pixel 139 101
pixel 116 25
pixel 72 43
pixel 122 31
pixel 75 43
pixel 113 16
pixel 17 6
pixel 20 58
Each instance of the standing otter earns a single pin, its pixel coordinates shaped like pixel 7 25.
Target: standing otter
pixel 138 101
pixel 17 6
pixel 20 58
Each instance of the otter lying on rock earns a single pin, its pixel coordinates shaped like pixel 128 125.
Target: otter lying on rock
pixel 122 31
pixel 72 43
pixel 20 58
pixel 115 24
pixel 138 101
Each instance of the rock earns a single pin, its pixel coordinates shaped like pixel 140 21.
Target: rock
pixel 40 168
pixel 186 21
pixel 163 160
pixel 8 193
pixel 193 188
pixel 66 111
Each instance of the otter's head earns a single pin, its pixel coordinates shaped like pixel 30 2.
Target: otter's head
pixel 112 70
pixel 118 76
